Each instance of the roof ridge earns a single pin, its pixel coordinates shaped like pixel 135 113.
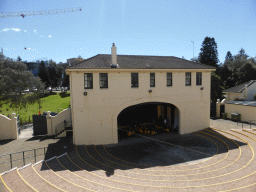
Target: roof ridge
pixel 84 60
pixel 163 56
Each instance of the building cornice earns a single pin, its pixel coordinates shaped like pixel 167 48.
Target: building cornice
pixel 137 70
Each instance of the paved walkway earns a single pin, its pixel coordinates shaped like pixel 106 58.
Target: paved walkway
pixel 228 124
pixel 27 142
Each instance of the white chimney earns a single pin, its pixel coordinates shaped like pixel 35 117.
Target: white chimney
pixel 113 54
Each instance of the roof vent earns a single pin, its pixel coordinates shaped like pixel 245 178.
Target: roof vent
pixel 114 66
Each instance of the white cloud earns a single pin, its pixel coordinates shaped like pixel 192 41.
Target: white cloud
pixel 25 31
pixel 29 48
pixel 50 36
pixel 35 30
pixel 16 29
pixel 13 29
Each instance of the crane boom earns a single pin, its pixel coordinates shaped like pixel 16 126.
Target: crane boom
pixel 45 12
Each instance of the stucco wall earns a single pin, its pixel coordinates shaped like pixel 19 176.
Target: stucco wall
pixel 8 127
pixel 94 117
pixel 251 90
pixel 232 96
pixel 247 112
pixel 53 121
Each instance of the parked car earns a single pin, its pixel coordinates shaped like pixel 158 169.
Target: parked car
pixel 52 113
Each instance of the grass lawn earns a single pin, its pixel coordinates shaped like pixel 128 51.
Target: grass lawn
pixel 53 103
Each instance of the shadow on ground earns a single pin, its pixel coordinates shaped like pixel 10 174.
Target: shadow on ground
pixel 160 150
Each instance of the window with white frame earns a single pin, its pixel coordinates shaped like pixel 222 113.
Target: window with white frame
pixel 134 80
pixel 169 79
pixel 88 81
pixel 188 79
pixel 103 80
pixel 152 79
pixel 199 78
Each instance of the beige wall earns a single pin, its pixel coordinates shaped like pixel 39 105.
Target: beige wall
pixel 53 121
pixel 94 117
pixel 8 127
pixel 247 112
pixel 232 96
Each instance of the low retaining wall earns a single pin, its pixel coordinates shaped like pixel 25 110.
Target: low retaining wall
pixel 247 112
pixel 8 127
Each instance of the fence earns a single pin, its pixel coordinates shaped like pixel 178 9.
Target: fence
pixel 19 159
pixel 247 122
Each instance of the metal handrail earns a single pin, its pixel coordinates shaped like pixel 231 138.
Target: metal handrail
pixel 59 128
pixel 23 158
pixel 250 122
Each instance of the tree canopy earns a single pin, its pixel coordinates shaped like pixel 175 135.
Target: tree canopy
pixel 209 54
pixel 14 79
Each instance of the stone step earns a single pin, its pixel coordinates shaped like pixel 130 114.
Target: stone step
pixel 3 188
pixel 14 182
pixel 85 178
pixel 106 155
pixel 34 180
pixel 51 177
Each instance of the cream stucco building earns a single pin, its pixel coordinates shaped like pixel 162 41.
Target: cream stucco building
pixel 107 90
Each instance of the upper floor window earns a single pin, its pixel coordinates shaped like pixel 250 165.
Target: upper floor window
pixel 103 80
pixel 199 78
pixel 88 81
pixel 169 79
pixel 152 79
pixel 134 80
pixel 188 78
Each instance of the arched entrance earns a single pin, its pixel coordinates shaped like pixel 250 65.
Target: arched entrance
pixel 156 116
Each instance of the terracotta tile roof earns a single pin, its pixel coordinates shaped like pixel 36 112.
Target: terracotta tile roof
pixel 139 62
pixel 239 88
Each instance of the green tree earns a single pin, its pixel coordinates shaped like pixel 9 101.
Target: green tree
pixel 246 73
pixel 19 59
pixel 14 79
pixel 229 56
pixel 242 53
pixel 55 74
pixel 43 74
pixel 65 82
pixel 209 52
pixel 216 91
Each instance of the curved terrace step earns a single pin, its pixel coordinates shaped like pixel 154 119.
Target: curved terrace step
pixel 230 167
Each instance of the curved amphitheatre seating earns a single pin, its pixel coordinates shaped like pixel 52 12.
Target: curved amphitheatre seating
pixel 95 168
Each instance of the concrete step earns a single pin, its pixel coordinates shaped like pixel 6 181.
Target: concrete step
pixel 34 180
pixel 52 178
pixel 14 182
pixel 3 188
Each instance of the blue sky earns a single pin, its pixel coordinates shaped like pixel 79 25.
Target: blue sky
pixel 137 27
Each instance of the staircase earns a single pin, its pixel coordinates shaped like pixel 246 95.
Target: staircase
pixel 64 127
pixel 225 162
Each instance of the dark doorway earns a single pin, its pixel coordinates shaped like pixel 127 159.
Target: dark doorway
pixel 39 125
pixel 152 117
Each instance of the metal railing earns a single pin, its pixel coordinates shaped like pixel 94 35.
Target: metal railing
pixel 59 128
pixel 246 122
pixel 34 151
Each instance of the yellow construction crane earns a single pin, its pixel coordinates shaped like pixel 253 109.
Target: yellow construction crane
pixel 33 13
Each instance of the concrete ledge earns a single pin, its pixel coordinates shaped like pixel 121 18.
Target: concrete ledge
pixel 24 166
pixel 62 155
pixel 8 171
pixel 50 159
pixel 38 162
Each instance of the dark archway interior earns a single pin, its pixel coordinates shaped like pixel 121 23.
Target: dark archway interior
pixel 148 114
